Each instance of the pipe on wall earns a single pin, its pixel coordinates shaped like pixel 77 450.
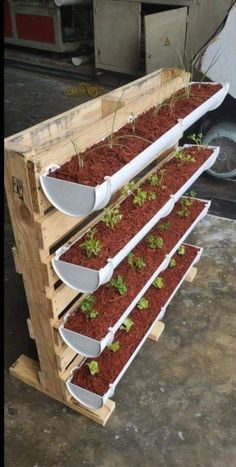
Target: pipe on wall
pixel 60 3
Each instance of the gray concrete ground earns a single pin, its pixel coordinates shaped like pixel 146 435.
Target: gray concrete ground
pixel 176 403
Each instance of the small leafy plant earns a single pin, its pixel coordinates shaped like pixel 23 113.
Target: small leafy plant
pixel 130 188
pixel 91 246
pixel 151 196
pixel 126 325
pixel 93 367
pixel 119 285
pixel 140 197
pixel 158 283
pixel 197 139
pixel 142 304
pixel 87 308
pixel 172 263
pixel 181 250
pixel 164 226
pixel 112 216
pixel 114 346
pixel 153 180
pixel 80 154
pixel 183 158
pixel 184 211
pixel 135 261
pixel 154 242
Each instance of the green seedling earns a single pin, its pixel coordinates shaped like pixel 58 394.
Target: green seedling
pixel 183 158
pixel 135 261
pixel 153 180
pixel 114 347
pixel 112 216
pixel 93 367
pixel 140 197
pixel 130 188
pixel 80 154
pixel 164 226
pixel 197 139
pixel 151 196
pixel 119 285
pixel 172 263
pixel 87 309
pixel 158 283
pixel 181 250
pixel 126 325
pixel 91 246
pixel 154 242
pixel 142 304
pixel 184 211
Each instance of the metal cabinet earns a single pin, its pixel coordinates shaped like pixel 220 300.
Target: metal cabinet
pixel 139 37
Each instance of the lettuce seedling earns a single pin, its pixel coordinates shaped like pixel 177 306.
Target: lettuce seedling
pixel 126 325
pixel 197 139
pixel 183 158
pixel 140 197
pixel 151 196
pixel 91 246
pixel 153 180
pixel 142 304
pixel 158 283
pixel 87 309
pixel 164 226
pixel 112 216
pixel 119 285
pixel 181 250
pixel 130 188
pixel 172 263
pixel 135 261
pixel 154 242
pixel 114 346
pixel 93 367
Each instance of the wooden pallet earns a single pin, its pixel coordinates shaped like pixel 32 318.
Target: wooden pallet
pixel 39 229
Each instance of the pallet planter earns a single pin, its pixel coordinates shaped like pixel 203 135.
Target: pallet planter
pixel 86 182
pixel 86 274
pixel 40 229
pixel 94 390
pixel 89 337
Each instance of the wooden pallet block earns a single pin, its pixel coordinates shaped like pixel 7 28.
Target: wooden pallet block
pixel 39 228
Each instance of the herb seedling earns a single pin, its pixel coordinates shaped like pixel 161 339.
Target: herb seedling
pixel 81 155
pixel 197 139
pixel 154 242
pixel 112 216
pixel 126 325
pixel 119 285
pixel 184 211
pixel 153 180
pixel 140 197
pixel 93 367
pixel 172 263
pixel 181 250
pixel 152 195
pixel 130 188
pixel 164 226
pixel 114 346
pixel 87 309
pixel 135 261
pixel 158 283
pixel 142 304
pixel 91 246
pixel 183 158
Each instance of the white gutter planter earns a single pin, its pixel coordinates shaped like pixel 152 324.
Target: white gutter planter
pixel 93 348
pixel 95 401
pixel 74 199
pixel 88 280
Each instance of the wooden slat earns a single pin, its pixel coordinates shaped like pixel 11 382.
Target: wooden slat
pixel 60 299
pixel 64 356
pixel 191 274
pixel 30 328
pixel 157 331
pixel 27 370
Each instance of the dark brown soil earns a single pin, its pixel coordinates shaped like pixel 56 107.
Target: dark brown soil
pixel 101 160
pixel 108 303
pixel 111 363
pixel 135 217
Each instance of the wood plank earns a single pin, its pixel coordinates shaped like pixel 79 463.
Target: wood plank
pixel 157 331
pixel 191 274
pixel 64 356
pixel 26 370
pixel 30 328
pixel 22 218
pixel 16 259
pixel 60 299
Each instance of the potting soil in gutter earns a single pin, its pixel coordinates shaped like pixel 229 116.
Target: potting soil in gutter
pixel 93 391
pixel 90 336
pixel 77 191
pixel 81 273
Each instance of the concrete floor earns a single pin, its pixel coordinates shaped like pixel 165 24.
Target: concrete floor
pixel 175 404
